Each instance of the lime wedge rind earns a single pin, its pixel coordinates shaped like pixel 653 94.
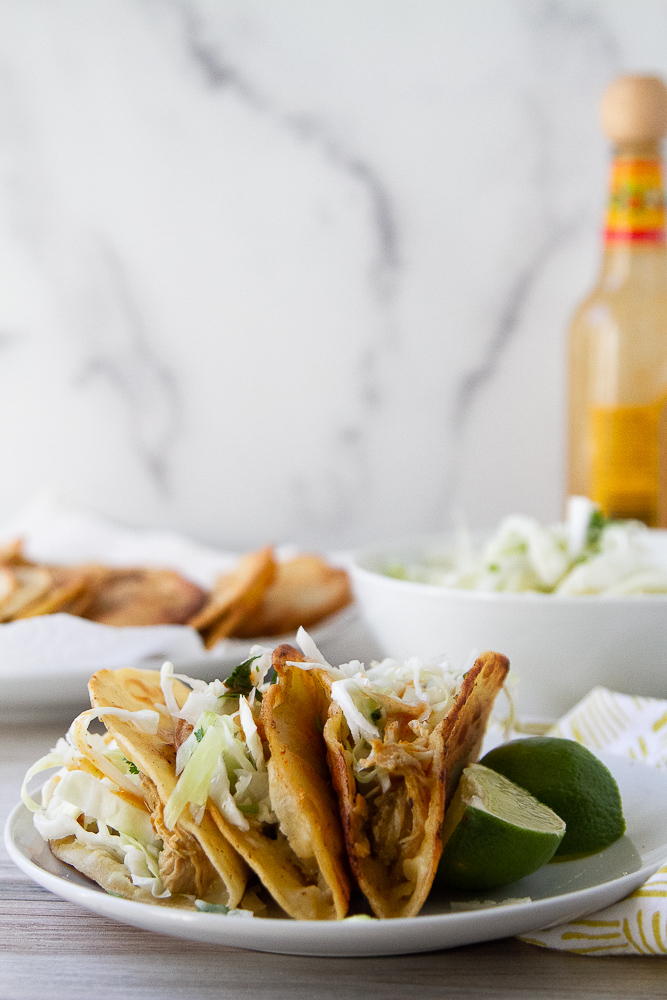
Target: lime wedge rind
pixel 571 780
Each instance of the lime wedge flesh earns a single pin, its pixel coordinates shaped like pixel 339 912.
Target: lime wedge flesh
pixel 572 781
pixel 494 833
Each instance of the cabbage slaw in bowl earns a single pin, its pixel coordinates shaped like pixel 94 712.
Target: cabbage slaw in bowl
pixel 588 554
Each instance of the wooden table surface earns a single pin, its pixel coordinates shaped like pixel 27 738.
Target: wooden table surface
pixel 52 949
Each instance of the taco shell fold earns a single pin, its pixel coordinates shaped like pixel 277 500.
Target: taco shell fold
pixel 111 874
pixel 193 856
pixel 302 863
pixel 465 725
pixel 393 843
pixel 393 836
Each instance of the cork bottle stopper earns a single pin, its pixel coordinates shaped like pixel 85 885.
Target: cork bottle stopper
pixel 634 109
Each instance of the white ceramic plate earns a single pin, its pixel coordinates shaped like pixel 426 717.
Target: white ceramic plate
pixel 559 892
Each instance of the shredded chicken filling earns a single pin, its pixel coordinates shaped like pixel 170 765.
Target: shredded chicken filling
pixel 395 801
pixel 184 868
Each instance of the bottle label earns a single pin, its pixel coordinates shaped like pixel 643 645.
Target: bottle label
pixel 626 461
pixel 636 201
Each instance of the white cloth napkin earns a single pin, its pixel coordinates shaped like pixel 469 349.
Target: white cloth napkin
pixel 635 728
pixel 39 650
pixel 55 533
pixel 53 642
pixel 46 662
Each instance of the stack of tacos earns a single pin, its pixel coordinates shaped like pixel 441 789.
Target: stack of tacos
pixel 247 795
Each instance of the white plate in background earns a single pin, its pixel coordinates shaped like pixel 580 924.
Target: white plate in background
pixel 559 891
pixel 43 691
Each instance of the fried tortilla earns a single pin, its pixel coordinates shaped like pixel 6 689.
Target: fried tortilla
pixel 466 724
pixel 7 584
pixel 95 577
pixel 302 861
pixel 193 855
pixel 11 553
pixel 144 597
pixel 235 596
pixel 391 788
pixel 110 873
pixel 67 587
pixel 258 597
pixel 32 583
pixel 305 590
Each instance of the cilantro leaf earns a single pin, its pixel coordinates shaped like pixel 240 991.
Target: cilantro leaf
pixel 132 768
pixel 596 526
pixel 239 681
pixel 199 734
pixel 235 694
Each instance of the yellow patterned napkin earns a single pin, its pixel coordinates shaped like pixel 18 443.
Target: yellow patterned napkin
pixel 635 728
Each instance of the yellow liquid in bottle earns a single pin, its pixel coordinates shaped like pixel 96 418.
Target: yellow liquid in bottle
pixel 618 354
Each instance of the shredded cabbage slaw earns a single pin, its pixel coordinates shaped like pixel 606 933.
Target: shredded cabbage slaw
pixel 588 554
pixel 364 695
pixel 95 809
pixel 223 758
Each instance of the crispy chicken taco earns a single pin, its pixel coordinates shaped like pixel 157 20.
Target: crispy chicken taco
pixel 102 811
pixel 193 783
pixel 246 763
pixel 398 736
pixel 295 844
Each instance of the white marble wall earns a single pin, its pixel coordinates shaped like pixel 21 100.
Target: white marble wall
pixel 284 269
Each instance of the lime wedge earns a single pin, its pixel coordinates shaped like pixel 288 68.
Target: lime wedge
pixel 572 781
pixel 494 832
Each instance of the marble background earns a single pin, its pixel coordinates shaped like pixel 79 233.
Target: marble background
pixel 294 270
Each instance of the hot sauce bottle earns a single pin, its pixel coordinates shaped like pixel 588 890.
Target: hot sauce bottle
pixel 618 338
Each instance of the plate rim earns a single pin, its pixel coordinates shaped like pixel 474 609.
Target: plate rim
pixel 350 938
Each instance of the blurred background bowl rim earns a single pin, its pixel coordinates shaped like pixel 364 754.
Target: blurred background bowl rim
pixel 391 551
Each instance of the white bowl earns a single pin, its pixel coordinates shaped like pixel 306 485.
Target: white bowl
pixel 559 647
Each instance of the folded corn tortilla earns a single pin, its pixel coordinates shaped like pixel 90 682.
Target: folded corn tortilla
pixel 393 760
pixel 103 867
pixel 380 820
pixel 103 815
pixel 301 859
pixel 193 855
